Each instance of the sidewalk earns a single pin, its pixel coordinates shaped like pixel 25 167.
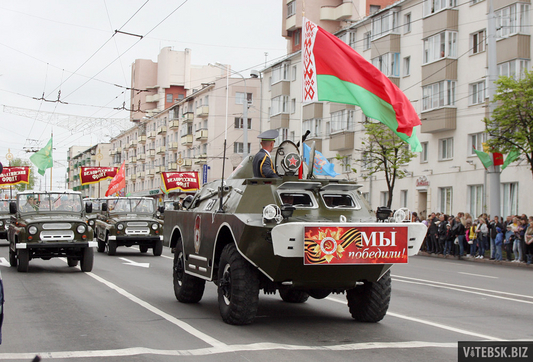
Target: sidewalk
pixel 471 259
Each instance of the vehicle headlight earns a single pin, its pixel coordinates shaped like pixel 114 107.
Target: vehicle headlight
pixel 91 222
pixel 1 223
pixel 155 226
pixel 81 228
pixel 120 226
pixel 272 212
pixel 32 230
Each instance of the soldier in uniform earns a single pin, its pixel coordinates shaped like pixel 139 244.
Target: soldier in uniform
pixel 262 162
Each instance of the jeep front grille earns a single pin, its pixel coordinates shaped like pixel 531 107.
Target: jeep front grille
pixel 137 223
pixel 57 235
pixel 56 226
pixel 137 231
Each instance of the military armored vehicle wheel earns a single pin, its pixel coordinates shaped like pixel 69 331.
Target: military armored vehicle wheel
pixel 369 302
pixel 158 248
pixel 87 260
pixel 12 258
pixel 293 296
pixel 143 248
pixel 101 246
pixel 111 247
pixel 238 288
pixel 23 260
pixel 72 262
pixel 188 289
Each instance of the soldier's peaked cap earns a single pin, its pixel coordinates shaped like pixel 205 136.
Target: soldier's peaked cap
pixel 269 135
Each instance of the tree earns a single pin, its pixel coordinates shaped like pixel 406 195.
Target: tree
pixel 384 151
pixel 19 162
pixel 511 125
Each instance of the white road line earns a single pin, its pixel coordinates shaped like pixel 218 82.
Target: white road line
pixel 479 275
pixel 433 324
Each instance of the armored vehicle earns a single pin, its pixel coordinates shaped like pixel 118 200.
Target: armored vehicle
pixel 128 221
pixel 49 224
pixel 303 237
pixel 5 217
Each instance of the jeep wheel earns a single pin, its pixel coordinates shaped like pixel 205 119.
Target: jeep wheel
pixel 87 260
pixel 72 262
pixel 101 246
pixel 369 302
pixel 23 260
pixel 12 258
pixel 238 287
pixel 111 247
pixel 158 248
pixel 143 248
pixel 188 289
pixel 293 296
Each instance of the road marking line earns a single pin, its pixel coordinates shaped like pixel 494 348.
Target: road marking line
pixel 433 324
pixel 185 326
pixel 479 275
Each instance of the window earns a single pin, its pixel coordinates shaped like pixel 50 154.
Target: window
pixel 407 23
pixel 445 149
pixel 424 153
pixel 509 198
pixel 403 198
pixel 477 93
pixel 384 24
pixel 293 105
pixel 297 199
pixel 374 9
pixel 314 125
pixel 291 8
pixel 440 46
pixel 352 42
pixel 477 42
pixel 239 98
pixel 509 69
pixel 511 20
pixel 239 123
pixel 366 196
pixel 347 163
pixel 294 72
pixel 342 120
pixel 383 198
pixel 238 147
pixel 445 200
pixel 406 66
pixel 475 199
pixel 366 40
pixel 434 6
pixel 296 37
pixel 388 64
pixel 169 98
pixel 279 105
pixel 280 72
pixel 366 161
pixel 475 141
pixel 438 95
pixel 282 136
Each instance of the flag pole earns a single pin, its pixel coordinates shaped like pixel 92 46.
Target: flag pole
pixel 51 168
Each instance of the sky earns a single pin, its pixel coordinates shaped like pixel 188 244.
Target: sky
pixel 63 62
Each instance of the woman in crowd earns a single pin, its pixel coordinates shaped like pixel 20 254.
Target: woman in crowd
pixel 519 241
pixel 470 236
pixel 482 232
pixel 528 239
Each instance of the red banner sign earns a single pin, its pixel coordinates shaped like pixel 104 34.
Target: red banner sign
pixel 91 175
pixel 15 175
pixel 185 181
pixel 360 245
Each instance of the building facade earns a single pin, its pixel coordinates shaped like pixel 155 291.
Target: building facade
pixel 88 156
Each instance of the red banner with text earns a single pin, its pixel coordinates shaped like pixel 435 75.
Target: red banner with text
pixel 185 181
pixel 355 245
pixel 15 175
pixel 91 175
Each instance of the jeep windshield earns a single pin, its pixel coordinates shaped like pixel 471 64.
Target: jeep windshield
pixel 130 206
pixel 49 202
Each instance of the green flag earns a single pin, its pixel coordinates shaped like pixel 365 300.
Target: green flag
pixel 43 158
pixel 513 155
pixel 485 158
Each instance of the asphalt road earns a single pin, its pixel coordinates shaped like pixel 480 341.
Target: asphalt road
pixel 125 310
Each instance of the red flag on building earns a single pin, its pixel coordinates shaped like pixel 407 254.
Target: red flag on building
pixel 15 175
pixel 91 175
pixel 185 181
pixel 497 158
pixel 118 182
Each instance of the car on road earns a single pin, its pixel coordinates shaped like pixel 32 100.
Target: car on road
pixel 50 224
pixel 96 207
pixel 302 237
pixel 128 221
pixel 5 217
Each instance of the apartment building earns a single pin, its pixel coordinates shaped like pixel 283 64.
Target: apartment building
pixel 88 156
pixel 436 52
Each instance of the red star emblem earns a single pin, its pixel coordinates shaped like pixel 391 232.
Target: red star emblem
pixel 293 161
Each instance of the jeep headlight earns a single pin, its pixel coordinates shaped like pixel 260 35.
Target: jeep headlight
pixel 155 226
pixel 272 212
pixel 91 222
pixel 32 230
pixel 120 226
pixel 81 228
pixel 1 223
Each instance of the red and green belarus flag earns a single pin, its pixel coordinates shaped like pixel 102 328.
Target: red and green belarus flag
pixel 334 72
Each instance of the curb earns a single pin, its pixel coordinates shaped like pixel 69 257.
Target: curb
pixel 471 259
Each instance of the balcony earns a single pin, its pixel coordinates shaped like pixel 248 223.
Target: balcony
pixel 141 175
pixel 186 140
pixel 439 120
pixel 161 150
pixel 159 169
pixel 133 143
pixel 151 134
pixel 152 98
pixel 172 166
pixel 141 139
pixel 133 177
pixel 175 124
pixel 337 13
pixel 187 162
pixel 112 152
pixel 201 160
pixel 162 130
pixel 202 111
pixel 141 157
pixel 341 141
pixel 173 146
pixel 133 159
pixel 150 153
pixel 150 173
pixel 188 117
pixel 201 134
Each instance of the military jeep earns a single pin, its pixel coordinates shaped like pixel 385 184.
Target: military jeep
pixel 96 206
pixel 5 217
pixel 303 237
pixel 50 224
pixel 128 221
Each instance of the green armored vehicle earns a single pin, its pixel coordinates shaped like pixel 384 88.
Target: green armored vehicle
pixel 304 238
pixel 49 224
pixel 128 221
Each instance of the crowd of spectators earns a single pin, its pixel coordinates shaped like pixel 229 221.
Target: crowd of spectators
pixel 482 237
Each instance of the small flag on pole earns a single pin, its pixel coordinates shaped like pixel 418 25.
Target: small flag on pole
pixel 43 158
pixel 513 155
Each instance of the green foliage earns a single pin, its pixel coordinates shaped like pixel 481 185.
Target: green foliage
pixel 383 151
pixel 19 162
pixel 511 125
pixel 343 162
